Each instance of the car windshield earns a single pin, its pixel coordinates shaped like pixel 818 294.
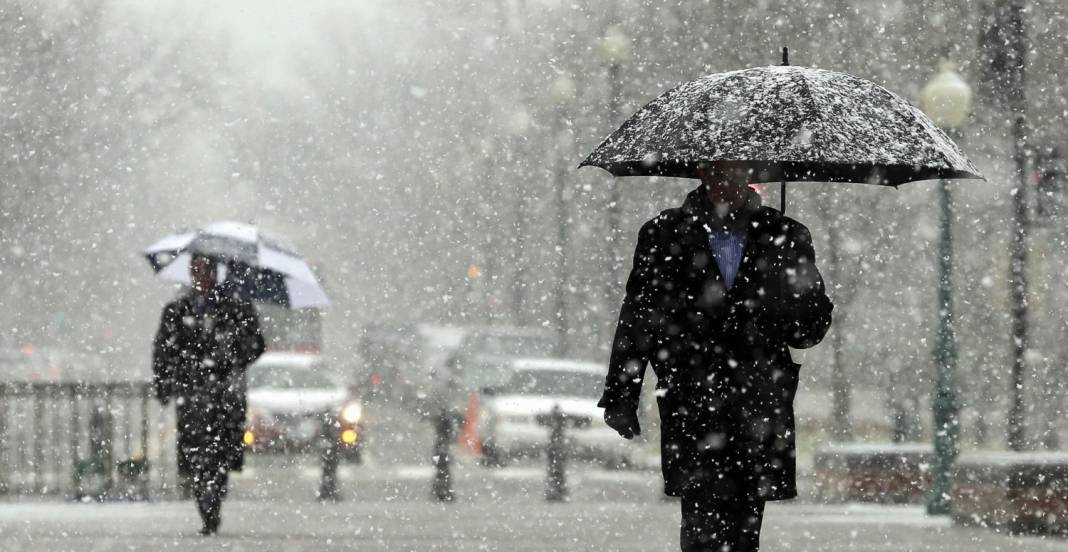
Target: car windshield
pixel 554 382
pixel 486 374
pixel 514 345
pixel 281 377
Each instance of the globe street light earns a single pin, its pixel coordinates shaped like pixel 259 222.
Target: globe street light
pixel 947 100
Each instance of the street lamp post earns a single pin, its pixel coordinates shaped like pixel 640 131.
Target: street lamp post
pixel 1016 46
pixel 518 125
pixel 562 92
pixel 491 249
pixel 614 49
pixel 947 100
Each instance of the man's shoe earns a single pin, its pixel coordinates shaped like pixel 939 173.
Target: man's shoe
pixel 214 522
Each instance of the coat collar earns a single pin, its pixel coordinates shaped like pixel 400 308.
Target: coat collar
pixel 222 294
pixel 700 210
pixel 754 221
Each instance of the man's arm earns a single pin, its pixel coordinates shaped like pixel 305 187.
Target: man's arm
pixel 250 344
pixel 634 340
pixel 165 353
pixel 803 312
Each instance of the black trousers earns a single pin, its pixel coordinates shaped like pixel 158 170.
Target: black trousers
pixel 209 488
pixel 721 516
pixel 209 462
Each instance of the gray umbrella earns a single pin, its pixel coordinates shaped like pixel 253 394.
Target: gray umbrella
pixel 788 124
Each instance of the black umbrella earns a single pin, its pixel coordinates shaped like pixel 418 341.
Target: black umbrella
pixel 787 124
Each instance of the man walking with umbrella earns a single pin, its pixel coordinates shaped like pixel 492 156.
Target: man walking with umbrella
pixel 720 289
pixel 206 340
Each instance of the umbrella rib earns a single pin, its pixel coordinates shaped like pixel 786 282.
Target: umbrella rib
pixel 806 93
pixel 918 121
pixel 934 132
pixel 951 167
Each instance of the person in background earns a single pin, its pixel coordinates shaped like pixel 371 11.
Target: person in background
pixel 720 290
pixel 207 338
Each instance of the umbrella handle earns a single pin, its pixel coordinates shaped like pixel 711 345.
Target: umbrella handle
pixel 782 196
pixel 782 185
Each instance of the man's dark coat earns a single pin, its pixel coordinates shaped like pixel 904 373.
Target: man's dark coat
pixel 725 378
pixel 203 346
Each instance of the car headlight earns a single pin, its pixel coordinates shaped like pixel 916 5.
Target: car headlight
pixel 351 413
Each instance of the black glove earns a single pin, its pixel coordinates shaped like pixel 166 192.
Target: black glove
pixel 163 394
pixel 625 422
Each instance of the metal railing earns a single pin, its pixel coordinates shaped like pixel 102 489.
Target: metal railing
pixel 82 440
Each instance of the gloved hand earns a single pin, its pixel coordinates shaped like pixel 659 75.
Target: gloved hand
pixel 163 395
pixel 625 422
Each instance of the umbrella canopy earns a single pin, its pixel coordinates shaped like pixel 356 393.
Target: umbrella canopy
pixel 787 123
pixel 264 269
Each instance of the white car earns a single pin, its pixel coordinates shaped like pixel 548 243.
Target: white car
pixel 509 416
pixel 288 396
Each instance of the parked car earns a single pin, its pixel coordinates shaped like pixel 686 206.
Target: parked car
pixel 293 403
pixel 483 358
pixel 512 416
pixel 506 342
pixel 458 362
pixel 401 361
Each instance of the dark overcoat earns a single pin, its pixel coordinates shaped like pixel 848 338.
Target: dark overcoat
pixel 204 344
pixel 725 377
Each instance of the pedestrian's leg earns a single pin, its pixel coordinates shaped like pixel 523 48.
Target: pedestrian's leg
pixel 215 483
pixel 707 520
pixel 750 518
pixel 185 448
pixel 221 487
pixel 203 497
pixel 208 504
pixel 185 471
pixel 210 479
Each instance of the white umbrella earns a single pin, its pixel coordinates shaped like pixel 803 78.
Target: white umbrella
pixel 276 274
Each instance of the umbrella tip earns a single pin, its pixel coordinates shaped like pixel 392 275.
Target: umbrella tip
pixel 785 55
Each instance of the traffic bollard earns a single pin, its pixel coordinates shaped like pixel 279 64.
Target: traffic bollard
pixel 442 487
pixel 556 458
pixel 330 455
pixel 132 478
pixel 92 477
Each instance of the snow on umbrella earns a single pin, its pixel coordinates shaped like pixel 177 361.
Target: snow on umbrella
pixel 787 123
pixel 264 269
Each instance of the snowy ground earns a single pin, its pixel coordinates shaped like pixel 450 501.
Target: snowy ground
pixel 386 507
pixel 469 525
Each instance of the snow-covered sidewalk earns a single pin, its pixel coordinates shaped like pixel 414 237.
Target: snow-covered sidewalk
pixel 471 525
